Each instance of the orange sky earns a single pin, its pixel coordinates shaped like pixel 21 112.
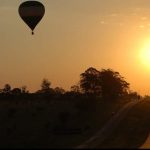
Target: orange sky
pixel 74 35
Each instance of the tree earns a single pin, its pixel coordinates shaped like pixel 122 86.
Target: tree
pixel 105 83
pixel 59 90
pixel 24 90
pixel 16 91
pixel 134 95
pixel 90 81
pixel 7 89
pixel 75 88
pixel 45 86
pixel 113 84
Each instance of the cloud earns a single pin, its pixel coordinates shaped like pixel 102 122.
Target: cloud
pixel 144 18
pixel 141 26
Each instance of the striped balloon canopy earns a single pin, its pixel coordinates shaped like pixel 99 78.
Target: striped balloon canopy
pixel 31 13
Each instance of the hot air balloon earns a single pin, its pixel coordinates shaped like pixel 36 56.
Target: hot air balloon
pixel 31 13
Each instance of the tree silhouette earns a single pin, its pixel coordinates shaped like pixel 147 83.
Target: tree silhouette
pixel 134 95
pixel 90 81
pixel 75 89
pixel 113 84
pixel 45 86
pixel 59 90
pixel 16 91
pixel 24 90
pixel 7 89
pixel 106 83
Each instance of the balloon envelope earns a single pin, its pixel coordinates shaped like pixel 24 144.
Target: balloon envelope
pixel 31 12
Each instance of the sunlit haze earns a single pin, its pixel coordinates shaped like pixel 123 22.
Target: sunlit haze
pixel 72 36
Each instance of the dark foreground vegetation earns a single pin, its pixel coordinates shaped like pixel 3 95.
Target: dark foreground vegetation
pixel 55 118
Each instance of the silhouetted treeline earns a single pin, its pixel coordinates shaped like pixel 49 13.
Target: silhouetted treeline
pixel 106 84
pixel 33 120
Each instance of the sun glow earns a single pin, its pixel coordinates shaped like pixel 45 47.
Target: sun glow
pixel 145 55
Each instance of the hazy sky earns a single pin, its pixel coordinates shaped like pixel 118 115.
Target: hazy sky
pixel 72 36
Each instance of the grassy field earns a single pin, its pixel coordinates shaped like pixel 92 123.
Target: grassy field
pixel 31 123
pixel 133 130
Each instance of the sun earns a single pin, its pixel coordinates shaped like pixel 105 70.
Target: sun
pixel 145 55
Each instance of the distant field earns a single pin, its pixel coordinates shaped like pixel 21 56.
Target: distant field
pixel 31 123
pixel 133 130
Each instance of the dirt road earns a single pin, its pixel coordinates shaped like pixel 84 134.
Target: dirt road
pixel 108 128
pixel 146 145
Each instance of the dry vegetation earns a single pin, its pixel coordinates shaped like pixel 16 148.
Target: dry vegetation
pixel 53 123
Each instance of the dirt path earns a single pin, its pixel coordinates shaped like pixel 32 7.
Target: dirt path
pixel 109 127
pixel 146 145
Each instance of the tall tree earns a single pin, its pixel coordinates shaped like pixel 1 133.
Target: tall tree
pixel 90 81
pixel 113 84
pixel 106 83
pixel 45 86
